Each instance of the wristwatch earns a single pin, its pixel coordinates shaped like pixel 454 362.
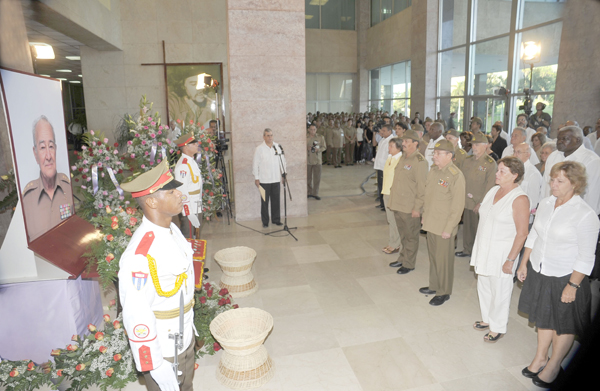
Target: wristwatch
pixel 574 285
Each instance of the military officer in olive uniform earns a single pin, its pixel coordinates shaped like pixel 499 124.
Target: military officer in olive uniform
pixel 349 142
pixel 188 173
pixel 337 144
pixel 480 174
pixel 444 203
pixel 329 141
pixel 156 271
pixel 49 199
pixel 406 200
pixel 315 145
pixel 459 154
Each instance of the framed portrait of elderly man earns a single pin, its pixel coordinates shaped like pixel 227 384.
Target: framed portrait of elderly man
pixel 194 94
pixel 35 116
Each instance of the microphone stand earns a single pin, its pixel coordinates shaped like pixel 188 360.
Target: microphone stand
pixel 285 189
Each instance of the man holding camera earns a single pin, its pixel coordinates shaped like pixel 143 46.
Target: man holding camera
pixel 315 146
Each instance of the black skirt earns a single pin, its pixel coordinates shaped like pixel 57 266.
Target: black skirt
pixel 540 299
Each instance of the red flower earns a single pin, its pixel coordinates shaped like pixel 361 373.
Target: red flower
pixel 80 367
pixel 30 366
pixel 114 225
pixel 116 324
pixel 228 301
pixel 14 373
pixel 178 121
pixel 109 237
pixel 91 327
pixel 102 349
pixel 132 221
pixel 216 346
pixel 117 357
pixel 72 348
pixel 59 372
pixel 110 372
pixel 130 210
pixel 109 258
pixel 223 292
pixel 116 144
pixel 114 219
pixel 209 293
pixel 106 316
pixel 211 194
pixel 221 302
pixel 191 122
pixel 203 299
pixel 55 352
pixel 99 336
pixel 196 365
pixel 236 306
pixel 128 232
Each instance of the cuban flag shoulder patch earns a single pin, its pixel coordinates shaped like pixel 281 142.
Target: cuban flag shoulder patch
pixel 139 279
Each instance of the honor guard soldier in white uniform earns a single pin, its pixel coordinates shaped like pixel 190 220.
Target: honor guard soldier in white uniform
pixel 188 173
pixel 156 285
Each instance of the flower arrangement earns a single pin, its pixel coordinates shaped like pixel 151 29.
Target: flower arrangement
pixel 7 183
pixel 24 375
pixel 210 302
pixel 102 358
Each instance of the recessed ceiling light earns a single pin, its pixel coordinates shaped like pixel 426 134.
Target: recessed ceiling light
pixel 64 70
pixel 73 58
pixel 62 78
pixel 42 51
pixel 80 75
pixel 75 81
pixel 46 75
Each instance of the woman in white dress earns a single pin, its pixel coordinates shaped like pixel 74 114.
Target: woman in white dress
pixel 501 233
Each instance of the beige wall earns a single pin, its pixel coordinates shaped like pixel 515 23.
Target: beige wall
pixel 331 51
pixel 390 41
pixel 114 81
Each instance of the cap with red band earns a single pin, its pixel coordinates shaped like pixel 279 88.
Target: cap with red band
pixel 185 139
pixel 159 178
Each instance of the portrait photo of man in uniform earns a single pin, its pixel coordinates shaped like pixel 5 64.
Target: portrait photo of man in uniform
pixel 38 134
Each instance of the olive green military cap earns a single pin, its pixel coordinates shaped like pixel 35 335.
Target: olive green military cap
pixel 479 138
pixel 411 134
pixel 451 132
pixel 444 145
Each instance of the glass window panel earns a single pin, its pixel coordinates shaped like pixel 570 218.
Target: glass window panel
pixel 375 12
pixel 452 72
pixel 340 106
pixel 408 78
pixel 348 17
pixel 323 86
pixel 311 107
pixel 323 107
pixel 489 110
pixel 540 11
pixel 401 5
pixel 386 9
pixel 341 87
pixel 399 80
pixel 311 87
pixel 493 18
pixel 490 66
pixel 331 15
pixel 402 106
pixel 456 106
pixel 386 82
pixel 374 84
pixel 311 14
pixel 544 71
pixel 454 23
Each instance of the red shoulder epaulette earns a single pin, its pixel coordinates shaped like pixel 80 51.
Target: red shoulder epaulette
pixel 184 161
pixel 145 243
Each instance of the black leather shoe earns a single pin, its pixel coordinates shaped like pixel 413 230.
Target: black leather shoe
pixel 316 198
pixel 278 223
pixel 527 373
pixel 308 196
pixel 426 291
pixel 265 225
pixel 422 232
pixel 395 264
pixel 439 300
pixel 461 254
pixel 404 270
pixel 542 384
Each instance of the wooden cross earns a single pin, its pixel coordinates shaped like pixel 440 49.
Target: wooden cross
pixel 164 65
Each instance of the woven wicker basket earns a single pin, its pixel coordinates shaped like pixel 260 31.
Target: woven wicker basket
pixel 241 331
pixel 239 286
pixel 235 261
pixel 242 373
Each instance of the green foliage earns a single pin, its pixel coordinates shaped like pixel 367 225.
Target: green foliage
pixel 24 375
pixel 210 302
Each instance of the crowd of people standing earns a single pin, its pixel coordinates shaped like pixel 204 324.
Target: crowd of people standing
pixel 529 206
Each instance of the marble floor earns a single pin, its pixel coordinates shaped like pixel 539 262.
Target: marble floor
pixel 344 320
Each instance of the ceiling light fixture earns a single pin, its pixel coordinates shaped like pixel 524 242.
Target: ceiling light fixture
pixel 75 81
pixel 64 70
pixel 62 78
pixel 42 51
pixel 73 58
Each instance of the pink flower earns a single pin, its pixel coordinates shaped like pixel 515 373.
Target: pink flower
pixel 145 128
pixel 143 166
pixel 159 132
pixel 99 164
pixel 73 168
pixel 129 142
pixel 149 118
pixel 105 140
pixel 83 147
pixel 133 155
pixel 92 132
pixel 137 135
pixel 143 142
pixel 152 135
pixel 152 123
pixel 116 151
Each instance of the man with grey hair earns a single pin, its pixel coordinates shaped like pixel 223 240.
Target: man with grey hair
pixel 519 136
pixel 49 199
pixel 267 168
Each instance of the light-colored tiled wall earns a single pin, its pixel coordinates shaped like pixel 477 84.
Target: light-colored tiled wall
pixel 114 81
pixel 267 63
pixel 331 51
pixel 390 41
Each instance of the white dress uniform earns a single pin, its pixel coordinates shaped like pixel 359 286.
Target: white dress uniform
pixel 188 173
pixel 151 303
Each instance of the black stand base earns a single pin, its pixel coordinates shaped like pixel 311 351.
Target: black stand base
pixel 285 229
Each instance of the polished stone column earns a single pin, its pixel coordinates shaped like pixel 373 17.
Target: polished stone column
pixel 267 79
pixel 363 22
pixel 578 76
pixel 424 57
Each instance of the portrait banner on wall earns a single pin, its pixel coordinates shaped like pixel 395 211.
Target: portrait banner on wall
pixel 34 109
pixel 192 95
